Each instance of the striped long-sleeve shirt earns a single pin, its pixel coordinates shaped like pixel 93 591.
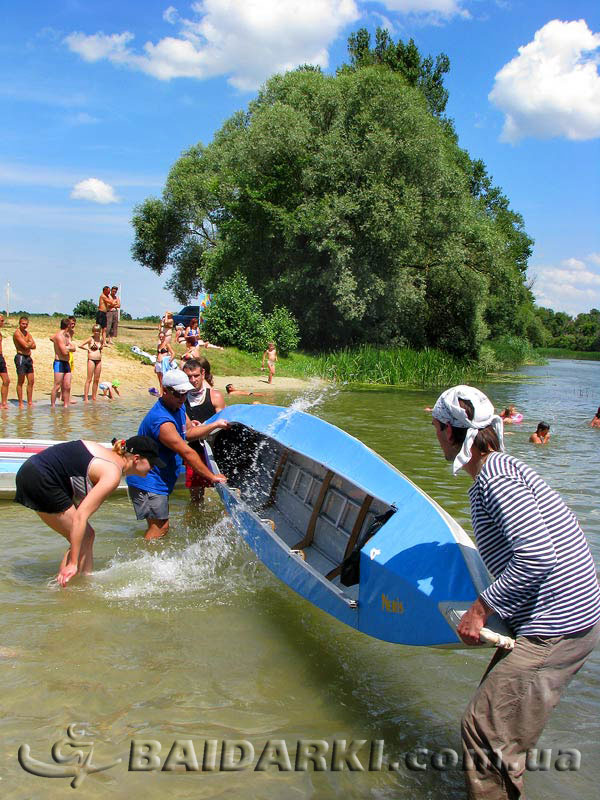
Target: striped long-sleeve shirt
pixel 531 542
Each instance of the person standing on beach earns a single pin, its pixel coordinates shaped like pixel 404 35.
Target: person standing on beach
pixel 271 355
pixel 93 346
pixel 544 587
pixel 24 344
pixel 3 371
pixel 61 366
pixel 112 316
pixel 165 423
pixel 105 303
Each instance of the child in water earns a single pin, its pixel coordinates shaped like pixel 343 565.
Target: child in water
pixel 271 355
pixel 541 435
pixel 107 389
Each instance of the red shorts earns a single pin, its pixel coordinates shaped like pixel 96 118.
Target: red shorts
pixel 193 479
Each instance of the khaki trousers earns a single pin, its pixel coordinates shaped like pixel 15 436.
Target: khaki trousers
pixel 510 708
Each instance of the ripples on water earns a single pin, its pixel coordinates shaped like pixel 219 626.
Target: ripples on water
pixel 192 637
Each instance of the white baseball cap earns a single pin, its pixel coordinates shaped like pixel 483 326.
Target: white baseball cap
pixel 178 380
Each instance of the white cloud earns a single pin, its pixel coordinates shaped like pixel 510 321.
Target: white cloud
pixel 439 8
pixel 552 88
pixel 572 286
pixel 170 15
pixel 94 190
pixel 247 40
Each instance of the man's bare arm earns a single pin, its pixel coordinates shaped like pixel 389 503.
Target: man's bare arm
pixel 170 438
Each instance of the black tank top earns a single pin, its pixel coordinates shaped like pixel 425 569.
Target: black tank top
pixel 200 413
pixel 66 464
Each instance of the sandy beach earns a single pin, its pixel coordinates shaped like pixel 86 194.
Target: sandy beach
pixel 133 374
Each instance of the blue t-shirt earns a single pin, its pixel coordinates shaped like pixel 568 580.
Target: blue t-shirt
pixel 160 480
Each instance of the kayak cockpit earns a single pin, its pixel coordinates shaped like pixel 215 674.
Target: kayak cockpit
pixel 318 514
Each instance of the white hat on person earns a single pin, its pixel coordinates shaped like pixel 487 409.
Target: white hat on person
pixel 178 380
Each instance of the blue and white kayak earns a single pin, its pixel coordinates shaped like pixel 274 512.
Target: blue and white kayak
pixel 304 494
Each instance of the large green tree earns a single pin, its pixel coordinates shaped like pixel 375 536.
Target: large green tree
pixel 346 199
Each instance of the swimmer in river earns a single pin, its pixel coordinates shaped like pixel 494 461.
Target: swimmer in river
pixel 66 483
pixel 595 421
pixel 541 435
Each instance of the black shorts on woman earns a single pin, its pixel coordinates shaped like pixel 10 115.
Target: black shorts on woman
pixel 55 479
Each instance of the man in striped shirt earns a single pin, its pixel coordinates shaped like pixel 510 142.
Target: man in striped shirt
pixel 545 587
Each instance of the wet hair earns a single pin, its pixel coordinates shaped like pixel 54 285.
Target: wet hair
pixel 105 287
pixel 72 318
pixel 542 426
pixel 200 363
pixel 486 440
pixel 64 323
pixel 114 287
pixel 598 413
pixel 229 387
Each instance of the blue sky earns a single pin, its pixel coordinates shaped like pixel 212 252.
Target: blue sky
pixel 100 98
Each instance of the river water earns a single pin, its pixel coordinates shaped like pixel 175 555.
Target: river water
pixel 192 639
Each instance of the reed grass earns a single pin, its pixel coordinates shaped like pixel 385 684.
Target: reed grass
pixel 559 352
pixel 395 366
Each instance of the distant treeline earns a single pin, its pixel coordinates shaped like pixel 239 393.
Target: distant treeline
pixel 570 333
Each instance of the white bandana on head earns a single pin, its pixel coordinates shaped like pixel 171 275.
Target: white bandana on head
pixel 448 410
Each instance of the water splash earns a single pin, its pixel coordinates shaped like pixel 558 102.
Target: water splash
pixel 208 572
pixel 256 473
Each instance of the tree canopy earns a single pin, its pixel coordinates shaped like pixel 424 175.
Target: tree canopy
pixel 347 200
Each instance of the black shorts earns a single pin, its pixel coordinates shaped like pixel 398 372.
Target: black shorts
pixel 101 318
pixel 2 365
pixel 24 364
pixel 37 490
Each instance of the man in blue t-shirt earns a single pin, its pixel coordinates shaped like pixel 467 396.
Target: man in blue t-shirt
pixel 166 424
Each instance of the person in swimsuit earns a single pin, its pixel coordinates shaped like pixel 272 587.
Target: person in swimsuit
pixel 93 345
pixel 230 389
pixel 595 421
pixel 510 415
pixel 192 332
pixel 61 366
pixel 166 326
pixel 24 344
pixel 105 303
pixel 200 404
pixel 271 355
pixel 112 316
pixel 66 483
pixel 541 435
pixel 164 353
pixel 3 371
